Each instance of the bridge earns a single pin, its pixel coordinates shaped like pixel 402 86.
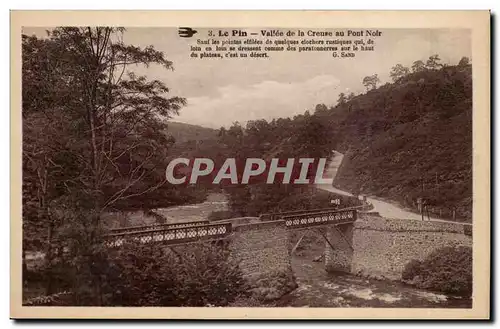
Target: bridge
pixel 354 242
pixel 188 232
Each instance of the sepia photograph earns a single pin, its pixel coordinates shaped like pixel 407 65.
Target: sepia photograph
pixel 254 167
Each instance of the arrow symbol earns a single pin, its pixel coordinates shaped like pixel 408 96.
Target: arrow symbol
pixel 186 32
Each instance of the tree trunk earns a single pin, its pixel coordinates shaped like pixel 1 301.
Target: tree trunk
pixel 44 215
pixel 25 266
pixel 48 260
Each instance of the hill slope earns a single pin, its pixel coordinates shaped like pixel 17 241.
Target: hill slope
pixel 183 132
pixel 410 139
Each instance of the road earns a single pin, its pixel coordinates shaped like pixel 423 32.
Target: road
pixel 384 208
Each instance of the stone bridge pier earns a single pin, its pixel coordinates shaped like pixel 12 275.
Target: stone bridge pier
pixel 262 252
pixel 339 248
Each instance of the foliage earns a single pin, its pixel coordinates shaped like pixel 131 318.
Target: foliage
pixel 193 275
pixel 94 137
pixel 256 200
pixel 303 136
pixel 433 62
pixel 418 66
pixel 399 71
pixel 464 61
pixel 447 269
pixel 146 275
pixel 411 139
pixel 371 81
pixel 185 133
pixel 342 98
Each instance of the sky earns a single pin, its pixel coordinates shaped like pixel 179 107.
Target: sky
pixel 222 91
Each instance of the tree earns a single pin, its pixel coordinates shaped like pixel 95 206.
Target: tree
pixel 342 99
pixel 46 176
pixel 464 61
pixel 350 96
pixel 320 109
pixel 47 144
pixel 433 62
pixel 399 71
pixel 116 121
pixel 305 136
pixel 418 66
pixel 371 81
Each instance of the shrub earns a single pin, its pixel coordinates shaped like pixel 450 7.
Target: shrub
pixel 412 269
pixel 151 275
pixel 447 269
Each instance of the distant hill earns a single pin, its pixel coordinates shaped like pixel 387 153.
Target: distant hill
pixel 410 139
pixel 192 141
pixel 183 132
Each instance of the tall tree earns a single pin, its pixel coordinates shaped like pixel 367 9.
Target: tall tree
pixel 398 71
pixel 342 99
pixel 371 82
pixel 418 66
pixel 433 63
pixel 464 61
pixel 320 109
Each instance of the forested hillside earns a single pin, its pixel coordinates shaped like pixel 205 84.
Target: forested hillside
pixel 303 136
pixel 410 139
pixel 183 132
pixel 404 140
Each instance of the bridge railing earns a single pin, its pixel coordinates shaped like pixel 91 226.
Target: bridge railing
pixel 281 215
pixel 157 226
pixel 170 235
pixel 320 218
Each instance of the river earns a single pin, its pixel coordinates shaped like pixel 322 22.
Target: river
pixel 317 288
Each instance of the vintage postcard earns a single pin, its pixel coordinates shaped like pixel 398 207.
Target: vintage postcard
pixel 250 165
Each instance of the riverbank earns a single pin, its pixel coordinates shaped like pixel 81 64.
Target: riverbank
pixel 176 214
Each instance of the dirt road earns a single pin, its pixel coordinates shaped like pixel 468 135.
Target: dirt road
pixel 384 208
